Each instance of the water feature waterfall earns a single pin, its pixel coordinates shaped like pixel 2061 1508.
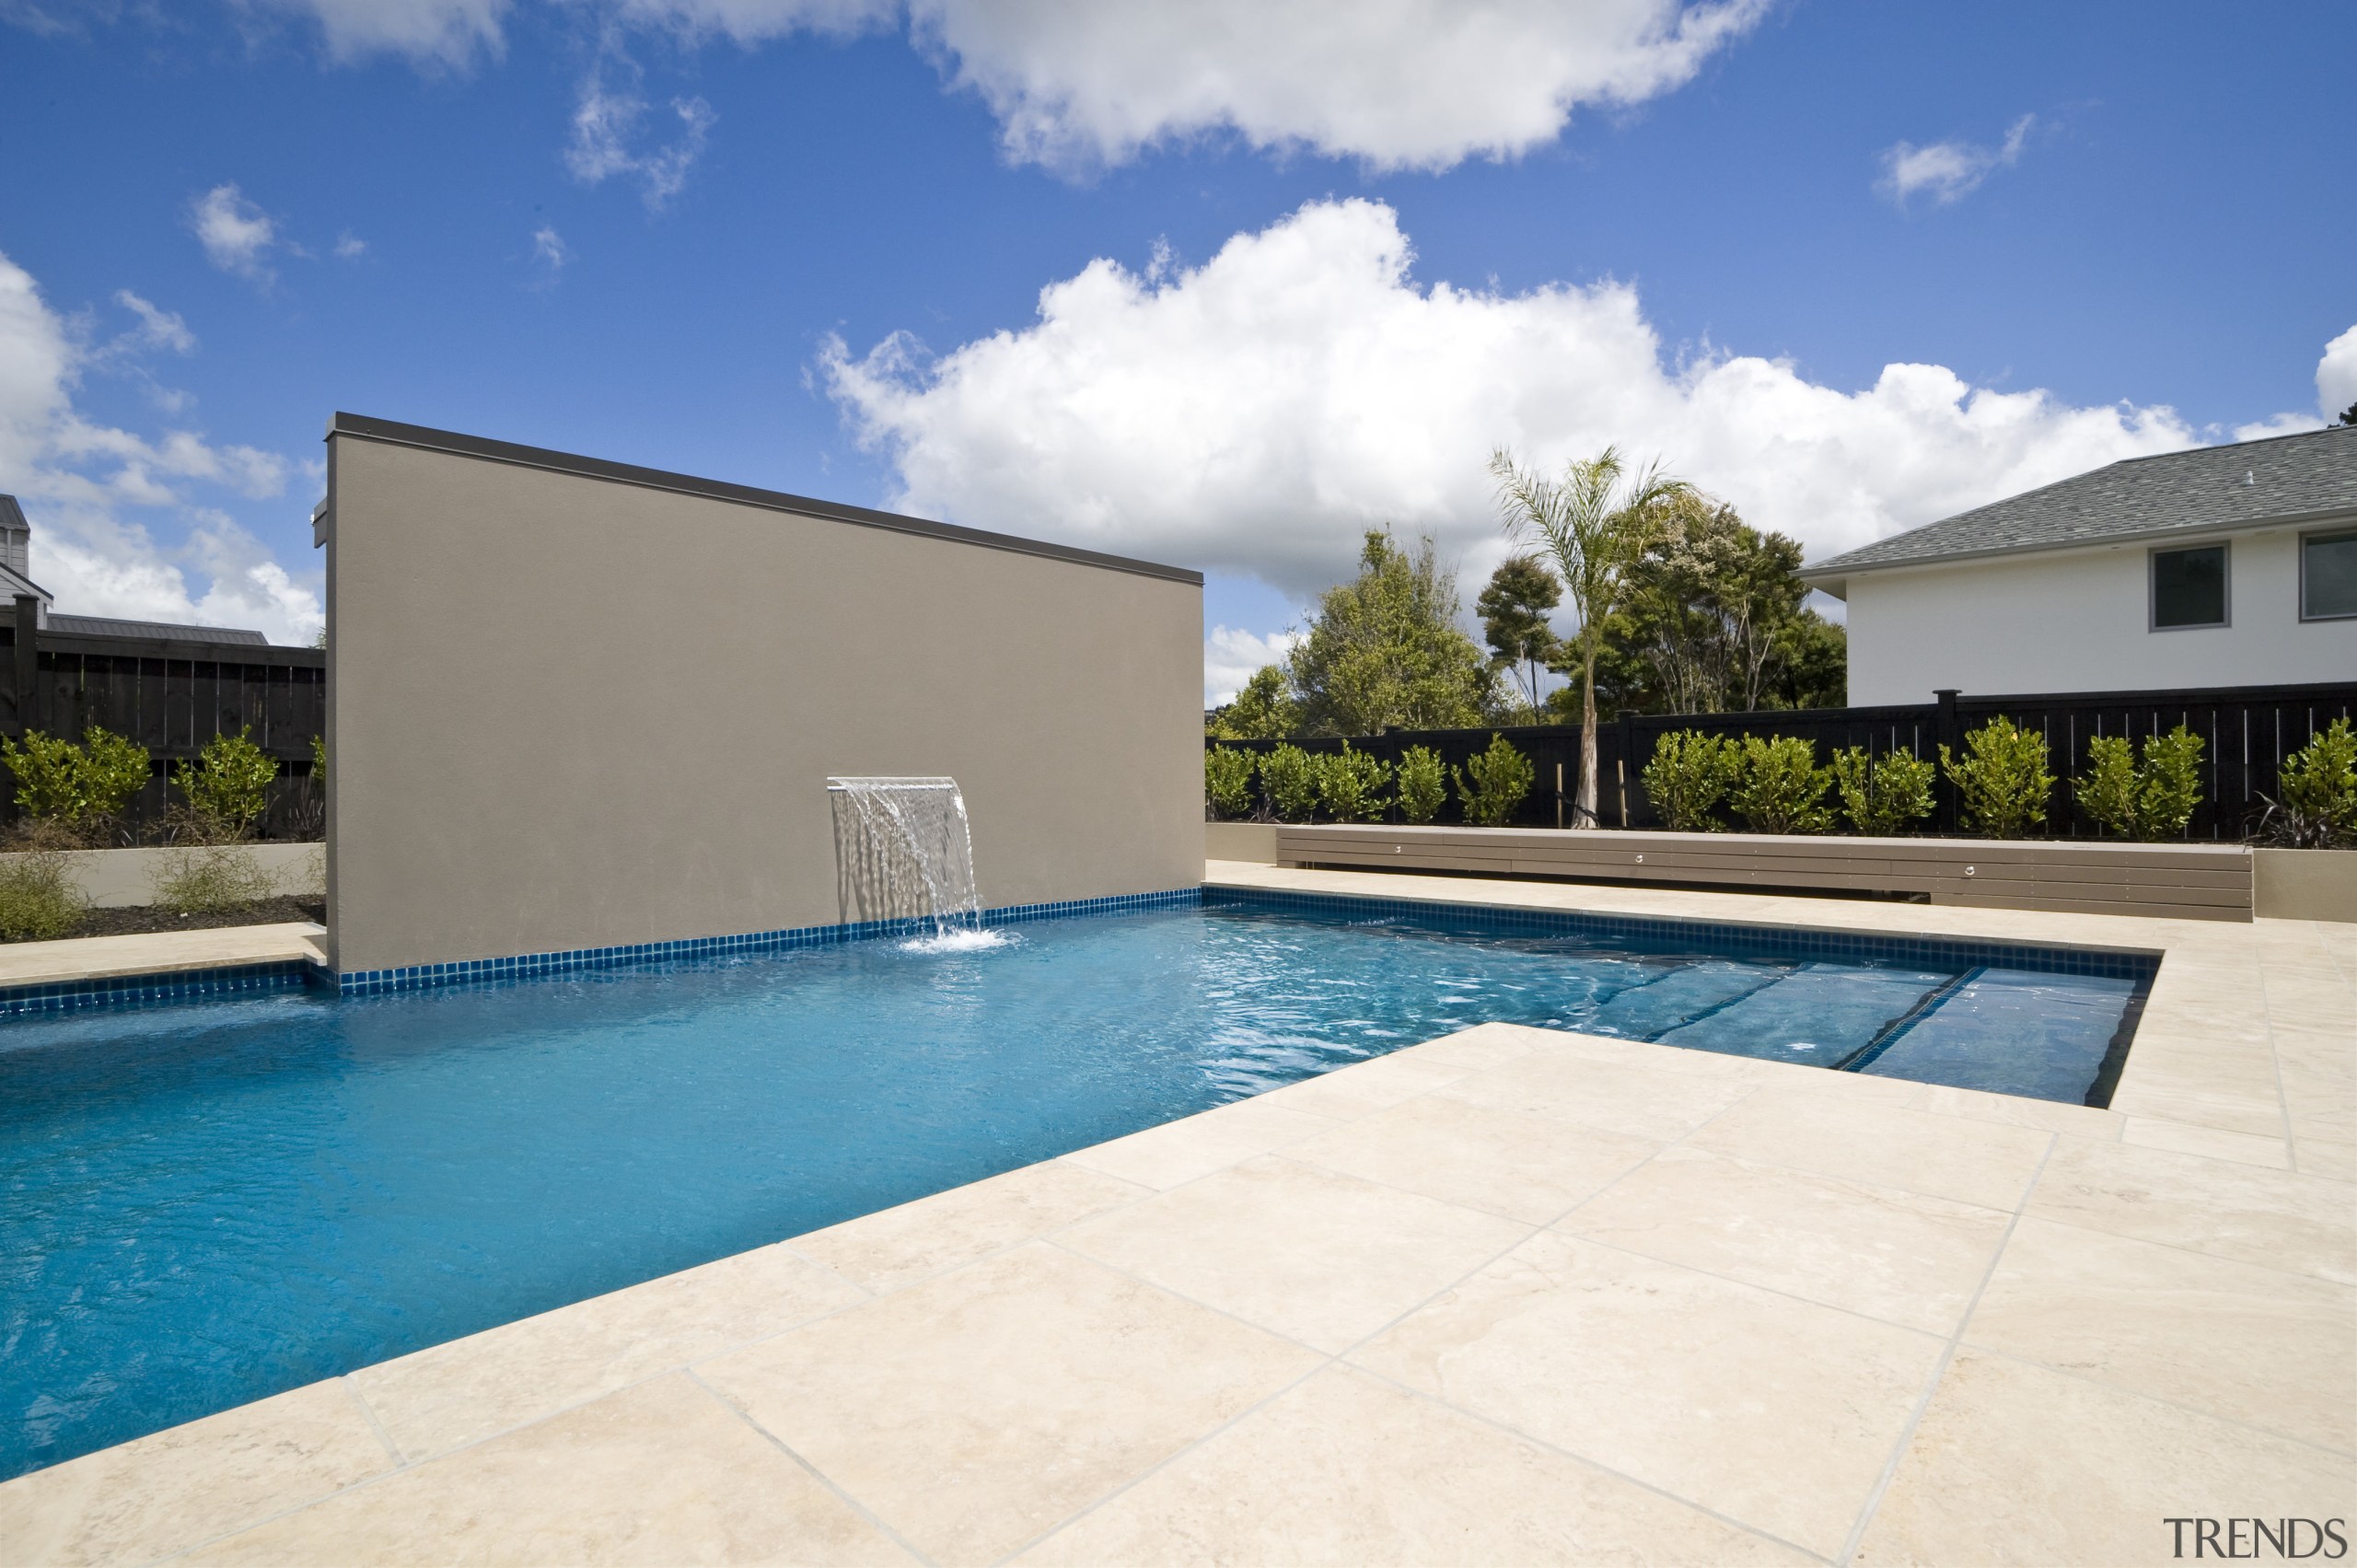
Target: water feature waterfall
pixel 903 851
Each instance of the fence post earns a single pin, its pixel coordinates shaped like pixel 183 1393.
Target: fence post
pixel 1947 731
pixel 28 662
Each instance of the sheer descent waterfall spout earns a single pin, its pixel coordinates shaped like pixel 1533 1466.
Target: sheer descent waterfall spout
pixel 904 852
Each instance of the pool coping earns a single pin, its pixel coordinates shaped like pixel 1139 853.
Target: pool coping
pixel 2129 1351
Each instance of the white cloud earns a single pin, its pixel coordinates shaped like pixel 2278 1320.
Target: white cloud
pixel 1407 84
pixel 1949 171
pixel 1257 413
pixel 2337 375
pixel 549 249
pixel 157 327
pixel 84 486
pixel 350 247
pixel 237 234
pixel 603 124
pixel 431 32
pixel 1231 658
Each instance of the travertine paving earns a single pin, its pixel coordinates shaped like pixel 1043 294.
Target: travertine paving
pixel 1512 1296
pixel 160 952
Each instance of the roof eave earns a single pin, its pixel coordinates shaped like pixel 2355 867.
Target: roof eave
pixel 1838 570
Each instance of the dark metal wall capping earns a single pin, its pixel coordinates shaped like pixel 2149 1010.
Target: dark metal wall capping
pixel 394 433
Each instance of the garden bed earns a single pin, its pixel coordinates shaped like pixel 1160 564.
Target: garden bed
pixel 2183 881
pixel 141 920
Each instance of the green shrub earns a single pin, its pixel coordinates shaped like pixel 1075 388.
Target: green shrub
pixel 1780 789
pixel 1424 784
pixel 228 785
pixel 212 879
pixel 1291 780
pixel 319 757
pixel 2151 802
pixel 2001 783
pixel 49 776
pixel 1882 794
pixel 1688 775
pixel 2318 783
pixel 114 770
pixel 39 901
pixel 78 789
pixel 1228 780
pixel 1501 777
pixel 1350 784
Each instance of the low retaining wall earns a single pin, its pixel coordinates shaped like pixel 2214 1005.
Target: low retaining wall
pixel 2186 882
pixel 2305 884
pixel 125 878
pixel 1255 842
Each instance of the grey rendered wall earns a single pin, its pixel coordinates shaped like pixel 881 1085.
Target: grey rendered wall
pixel 566 711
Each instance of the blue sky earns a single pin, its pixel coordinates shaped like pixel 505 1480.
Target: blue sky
pixel 1307 266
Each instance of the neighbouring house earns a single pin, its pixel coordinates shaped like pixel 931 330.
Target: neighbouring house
pixel 17 584
pixel 2232 566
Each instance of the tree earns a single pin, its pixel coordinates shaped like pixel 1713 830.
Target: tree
pixel 1384 650
pixel 2348 415
pixel 1263 710
pixel 1514 608
pixel 1596 521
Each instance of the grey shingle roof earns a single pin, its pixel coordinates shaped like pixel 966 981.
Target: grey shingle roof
pixel 170 631
pixel 2241 485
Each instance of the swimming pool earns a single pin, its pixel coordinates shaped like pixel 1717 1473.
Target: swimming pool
pixel 207 1203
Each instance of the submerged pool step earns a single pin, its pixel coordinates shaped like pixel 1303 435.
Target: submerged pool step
pixel 1819 1013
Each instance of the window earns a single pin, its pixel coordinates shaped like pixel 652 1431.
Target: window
pixel 2189 587
pixel 2328 576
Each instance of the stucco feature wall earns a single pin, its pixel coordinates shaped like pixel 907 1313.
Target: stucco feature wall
pixel 566 711
pixel 2076 621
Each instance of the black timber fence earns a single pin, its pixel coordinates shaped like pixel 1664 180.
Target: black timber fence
pixel 170 696
pixel 2246 733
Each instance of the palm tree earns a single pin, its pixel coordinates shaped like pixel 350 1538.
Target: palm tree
pixel 1596 521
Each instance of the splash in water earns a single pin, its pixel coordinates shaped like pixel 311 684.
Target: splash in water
pixel 906 852
pixel 978 940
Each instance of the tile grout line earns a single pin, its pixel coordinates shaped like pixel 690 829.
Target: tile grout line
pixel 821 1477
pixel 2276 1434
pixel 400 1460
pixel 1940 1367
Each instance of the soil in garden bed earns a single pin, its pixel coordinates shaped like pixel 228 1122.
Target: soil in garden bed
pixel 139 922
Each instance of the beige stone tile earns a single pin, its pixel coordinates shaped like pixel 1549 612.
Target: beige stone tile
pixel 163 1493
pixel 1886 1253
pixel 1525 1168
pixel 1776 1413
pixel 2254 1114
pixel 436 1400
pixel 897 1246
pixel 2209 1143
pixel 1178 1152
pixel 1648 1101
pixel 2047 1116
pixel 2016 1464
pixel 1365 1087
pixel 2301 1223
pixel 660 1474
pixel 2266 1347
pixel 977 1409
pixel 1347 1470
pixel 1484 1045
pixel 158 952
pixel 2336 1162
pixel 1310 1253
pixel 1985 1162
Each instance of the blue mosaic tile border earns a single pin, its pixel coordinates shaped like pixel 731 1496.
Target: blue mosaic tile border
pixel 373 982
pixel 1728 939
pixel 149 990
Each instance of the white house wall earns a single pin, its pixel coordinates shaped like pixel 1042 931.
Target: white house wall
pixel 2077 621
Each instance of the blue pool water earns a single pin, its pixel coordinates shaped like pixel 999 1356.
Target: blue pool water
pixel 205 1203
